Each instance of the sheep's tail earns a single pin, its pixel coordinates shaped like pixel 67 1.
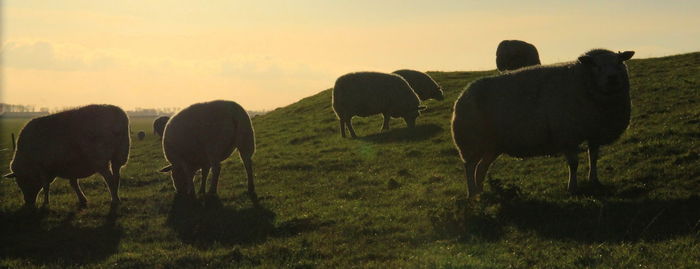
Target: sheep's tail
pixel 245 136
pixel 121 153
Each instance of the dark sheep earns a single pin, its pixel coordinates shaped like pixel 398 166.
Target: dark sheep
pixel 159 125
pixel 515 54
pixel 369 93
pixel 543 110
pixel 201 136
pixel 424 86
pixel 72 144
pixel 141 135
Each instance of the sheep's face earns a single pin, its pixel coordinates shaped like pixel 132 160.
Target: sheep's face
pixel 182 181
pixel 439 95
pixel 411 116
pixel 608 70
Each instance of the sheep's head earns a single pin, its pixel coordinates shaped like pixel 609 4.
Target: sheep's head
pixel 432 89
pixel 182 181
pixel 29 182
pixel 411 116
pixel 439 95
pixel 608 69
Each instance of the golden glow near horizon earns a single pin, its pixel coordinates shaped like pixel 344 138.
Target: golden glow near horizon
pixel 266 55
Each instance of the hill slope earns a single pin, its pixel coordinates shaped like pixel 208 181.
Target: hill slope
pixel 396 198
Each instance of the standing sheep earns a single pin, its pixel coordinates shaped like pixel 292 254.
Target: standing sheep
pixel 72 144
pixel 159 125
pixel 424 86
pixel 369 93
pixel 141 135
pixel 543 111
pixel 515 54
pixel 201 136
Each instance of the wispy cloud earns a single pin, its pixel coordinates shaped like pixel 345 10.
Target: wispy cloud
pixel 42 56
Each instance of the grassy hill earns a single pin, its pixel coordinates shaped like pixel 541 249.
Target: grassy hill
pixel 393 199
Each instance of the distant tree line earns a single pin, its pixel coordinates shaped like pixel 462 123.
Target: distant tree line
pixel 32 111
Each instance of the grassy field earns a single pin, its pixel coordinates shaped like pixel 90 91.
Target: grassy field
pixel 393 199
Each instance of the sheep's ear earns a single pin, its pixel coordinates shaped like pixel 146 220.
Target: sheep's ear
pixel 421 108
pixel 10 175
pixel 585 59
pixel 624 56
pixel 166 169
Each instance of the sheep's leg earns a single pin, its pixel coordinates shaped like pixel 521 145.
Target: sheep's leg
pixel 116 178
pixel 342 127
pixel 109 180
pixel 593 161
pixel 385 126
pixel 248 163
pixel 352 130
pixel 572 161
pixel 469 167
pixel 203 185
pixel 215 171
pixel 482 168
pixel 82 200
pixel 47 183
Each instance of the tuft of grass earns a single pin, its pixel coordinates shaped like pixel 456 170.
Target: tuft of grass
pixel 391 199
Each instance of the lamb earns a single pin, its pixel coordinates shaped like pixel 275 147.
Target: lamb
pixel 515 54
pixel 369 93
pixel 543 110
pixel 159 125
pixel 72 144
pixel 201 136
pixel 424 86
pixel 141 135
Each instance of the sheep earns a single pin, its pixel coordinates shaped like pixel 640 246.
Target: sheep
pixel 424 86
pixel 141 135
pixel 72 144
pixel 201 136
pixel 543 110
pixel 515 54
pixel 369 93
pixel 159 125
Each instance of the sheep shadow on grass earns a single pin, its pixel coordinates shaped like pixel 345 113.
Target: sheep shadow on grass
pixel 608 219
pixel 70 243
pixel 418 133
pixel 202 225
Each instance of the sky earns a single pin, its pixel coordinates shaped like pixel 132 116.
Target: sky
pixel 268 54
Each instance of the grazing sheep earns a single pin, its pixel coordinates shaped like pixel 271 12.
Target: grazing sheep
pixel 71 144
pixel 543 110
pixel 514 54
pixel 369 93
pixel 201 136
pixel 141 135
pixel 159 125
pixel 424 86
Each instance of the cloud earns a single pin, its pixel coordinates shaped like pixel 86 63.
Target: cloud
pixel 262 69
pixel 43 56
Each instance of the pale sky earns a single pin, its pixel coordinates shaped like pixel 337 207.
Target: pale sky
pixel 267 54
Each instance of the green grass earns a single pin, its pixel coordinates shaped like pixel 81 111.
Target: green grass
pixel 393 199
